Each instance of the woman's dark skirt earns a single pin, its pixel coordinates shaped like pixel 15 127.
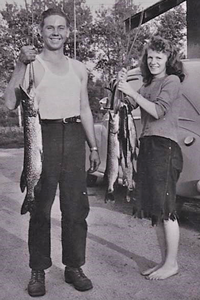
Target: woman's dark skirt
pixel 159 166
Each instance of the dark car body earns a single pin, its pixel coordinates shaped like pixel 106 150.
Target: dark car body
pixel 188 131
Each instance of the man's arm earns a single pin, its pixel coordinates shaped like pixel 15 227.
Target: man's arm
pixel 87 121
pixel 26 56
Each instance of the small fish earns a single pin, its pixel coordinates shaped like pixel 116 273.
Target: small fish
pixel 122 142
pixel 123 131
pixel 116 95
pixel 128 143
pixel 32 150
pixel 113 155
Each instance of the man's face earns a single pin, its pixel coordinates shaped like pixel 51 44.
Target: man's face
pixel 54 32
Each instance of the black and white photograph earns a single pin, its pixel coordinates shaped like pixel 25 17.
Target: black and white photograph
pixel 100 178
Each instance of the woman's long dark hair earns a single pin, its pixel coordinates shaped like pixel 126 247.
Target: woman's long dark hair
pixel 173 66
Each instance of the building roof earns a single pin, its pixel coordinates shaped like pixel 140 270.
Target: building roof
pixel 150 13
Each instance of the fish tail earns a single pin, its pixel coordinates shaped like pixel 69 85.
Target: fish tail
pixel 28 205
pixel 130 195
pixel 109 197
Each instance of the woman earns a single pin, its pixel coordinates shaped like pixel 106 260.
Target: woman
pixel 160 158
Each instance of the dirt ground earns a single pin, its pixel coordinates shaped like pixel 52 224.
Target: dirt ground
pixel 118 247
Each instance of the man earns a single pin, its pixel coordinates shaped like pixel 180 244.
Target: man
pixel 61 91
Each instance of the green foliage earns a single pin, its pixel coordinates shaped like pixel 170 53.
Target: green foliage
pixel 172 26
pixel 101 40
pixel 11 137
pixel 83 30
pixel 109 36
pixel 7 117
pixel 115 45
pixel 21 27
pixel 96 91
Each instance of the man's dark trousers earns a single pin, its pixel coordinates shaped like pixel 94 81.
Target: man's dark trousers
pixel 63 166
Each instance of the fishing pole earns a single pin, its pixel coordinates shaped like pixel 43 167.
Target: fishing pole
pixel 30 42
pixel 135 37
pixel 118 96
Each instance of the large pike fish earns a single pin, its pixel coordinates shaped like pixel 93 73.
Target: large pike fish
pixel 113 155
pixel 32 150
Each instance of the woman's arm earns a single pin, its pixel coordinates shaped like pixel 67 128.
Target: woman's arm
pixel 147 105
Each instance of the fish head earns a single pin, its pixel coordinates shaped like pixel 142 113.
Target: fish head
pixel 118 98
pixel 29 103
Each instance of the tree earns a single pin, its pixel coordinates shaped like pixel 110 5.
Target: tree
pixel 102 40
pixel 84 21
pixel 4 46
pixel 23 28
pixel 172 26
pixel 96 91
pixel 20 26
pixel 110 40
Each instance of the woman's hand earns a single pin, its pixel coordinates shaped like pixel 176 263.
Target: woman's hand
pixel 125 87
pixel 122 75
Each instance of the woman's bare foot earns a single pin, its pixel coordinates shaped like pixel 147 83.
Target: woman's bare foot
pixel 163 272
pixel 151 270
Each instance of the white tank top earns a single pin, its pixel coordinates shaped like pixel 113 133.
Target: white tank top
pixel 58 95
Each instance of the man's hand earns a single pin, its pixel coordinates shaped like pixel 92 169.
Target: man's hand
pixel 94 161
pixel 27 54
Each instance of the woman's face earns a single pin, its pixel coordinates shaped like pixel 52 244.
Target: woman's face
pixel 156 62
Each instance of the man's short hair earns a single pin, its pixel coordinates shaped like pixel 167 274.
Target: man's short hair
pixel 53 11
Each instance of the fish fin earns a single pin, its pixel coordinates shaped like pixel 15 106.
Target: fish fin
pixel 109 197
pixel 24 94
pixel 130 195
pixel 27 205
pixel 23 181
pixel 18 96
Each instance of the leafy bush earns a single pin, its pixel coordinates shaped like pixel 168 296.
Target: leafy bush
pixel 11 137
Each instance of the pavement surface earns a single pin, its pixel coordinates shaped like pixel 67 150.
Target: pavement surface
pixel 118 248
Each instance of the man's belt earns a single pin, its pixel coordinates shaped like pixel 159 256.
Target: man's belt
pixel 76 119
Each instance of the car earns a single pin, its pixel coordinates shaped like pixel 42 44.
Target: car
pixel 188 185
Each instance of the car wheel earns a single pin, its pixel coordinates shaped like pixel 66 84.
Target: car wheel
pixel 91 180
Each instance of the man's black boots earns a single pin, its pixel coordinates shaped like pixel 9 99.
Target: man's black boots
pixel 36 286
pixel 79 280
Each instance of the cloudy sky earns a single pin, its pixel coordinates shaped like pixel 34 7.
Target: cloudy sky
pixel 94 4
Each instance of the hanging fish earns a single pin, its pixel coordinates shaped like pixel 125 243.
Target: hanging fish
pixel 123 131
pixel 113 155
pixel 122 142
pixel 32 150
pixel 128 143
